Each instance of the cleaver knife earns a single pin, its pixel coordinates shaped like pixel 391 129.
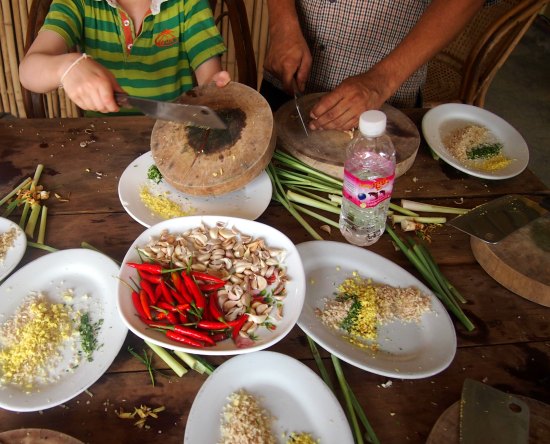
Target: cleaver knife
pixel 489 416
pixel 194 115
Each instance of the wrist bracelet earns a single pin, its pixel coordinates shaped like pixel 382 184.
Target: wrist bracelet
pixel 71 66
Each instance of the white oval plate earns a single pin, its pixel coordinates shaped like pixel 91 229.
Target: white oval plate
pixel 16 251
pixel 86 272
pixel 443 119
pixel 407 350
pixel 247 203
pixel 295 396
pixel 273 238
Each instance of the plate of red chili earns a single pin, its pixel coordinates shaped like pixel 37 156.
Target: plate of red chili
pixel 211 285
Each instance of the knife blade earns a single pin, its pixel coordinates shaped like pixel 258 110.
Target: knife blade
pixel 297 95
pixel 195 115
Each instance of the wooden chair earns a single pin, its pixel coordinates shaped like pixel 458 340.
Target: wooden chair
pixel 464 70
pixel 230 15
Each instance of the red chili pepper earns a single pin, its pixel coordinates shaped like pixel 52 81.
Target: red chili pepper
pixel 195 291
pixel 214 325
pixel 183 339
pixel 211 287
pixel 206 277
pixel 166 294
pixel 158 293
pixel 152 278
pixel 220 336
pixel 177 296
pixel 161 315
pixel 200 335
pixel 181 290
pixel 151 268
pixel 239 322
pixel 173 308
pixel 149 290
pixel 144 299
pixel 137 305
pixel 171 318
pixel 183 317
pixel 213 307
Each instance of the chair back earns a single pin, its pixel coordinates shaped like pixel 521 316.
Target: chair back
pixel 464 70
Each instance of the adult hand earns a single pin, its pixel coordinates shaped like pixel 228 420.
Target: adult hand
pixel 341 108
pixel 90 86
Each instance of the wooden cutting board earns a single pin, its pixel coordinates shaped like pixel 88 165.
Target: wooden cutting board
pixel 206 162
pixel 325 150
pixel 36 436
pixel 447 428
pixel 521 261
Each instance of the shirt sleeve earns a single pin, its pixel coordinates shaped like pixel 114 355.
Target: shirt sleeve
pixel 66 19
pixel 202 38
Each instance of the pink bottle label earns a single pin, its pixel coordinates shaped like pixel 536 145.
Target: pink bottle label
pixel 367 193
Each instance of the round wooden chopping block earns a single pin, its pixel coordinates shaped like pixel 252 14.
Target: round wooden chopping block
pixel 325 150
pixel 207 162
pixel 447 428
pixel 520 262
pixel 36 436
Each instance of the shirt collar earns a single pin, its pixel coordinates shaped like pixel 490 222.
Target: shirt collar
pixel 155 5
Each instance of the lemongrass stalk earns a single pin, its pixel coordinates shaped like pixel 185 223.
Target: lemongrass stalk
pixel 298 198
pixel 24 214
pixel 402 210
pixel 9 209
pixel 88 246
pixel 42 247
pixel 398 218
pixel 316 216
pixel 33 218
pixel 306 180
pixel 363 417
pixel 178 369
pixel 428 208
pixel 320 364
pixel 299 165
pixel 42 227
pixel 36 177
pixel 22 185
pixel 349 404
pixel 193 363
pixel 336 199
pixel 313 196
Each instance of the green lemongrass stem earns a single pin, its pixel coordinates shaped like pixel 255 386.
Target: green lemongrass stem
pixel 298 198
pixel 279 195
pixel 36 177
pixel 313 196
pixel 24 213
pixel 316 216
pixel 88 246
pixel 336 199
pixel 178 369
pixel 398 218
pixel 9 209
pixel 402 210
pixel 26 183
pixel 42 247
pixel 209 367
pixel 306 180
pixel 428 208
pixel 320 364
pixel 193 363
pixel 363 417
pixel 299 165
pixel 42 227
pixel 349 404
pixel 33 218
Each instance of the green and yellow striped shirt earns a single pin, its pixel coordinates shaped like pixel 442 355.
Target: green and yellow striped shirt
pixel 158 63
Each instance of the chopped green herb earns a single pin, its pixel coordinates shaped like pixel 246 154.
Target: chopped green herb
pixel 484 151
pixel 351 317
pixel 88 335
pixel 154 174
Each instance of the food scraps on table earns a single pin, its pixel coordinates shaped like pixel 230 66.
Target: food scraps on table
pixel 361 306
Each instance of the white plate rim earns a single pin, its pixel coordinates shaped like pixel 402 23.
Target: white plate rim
pixel 335 345
pixel 518 150
pixel 88 372
pixel 295 286
pixel 16 252
pixel 259 189
pixel 284 367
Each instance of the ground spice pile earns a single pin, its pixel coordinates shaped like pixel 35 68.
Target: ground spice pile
pixel 7 240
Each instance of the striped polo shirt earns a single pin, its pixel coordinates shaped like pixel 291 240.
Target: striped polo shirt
pixel 158 63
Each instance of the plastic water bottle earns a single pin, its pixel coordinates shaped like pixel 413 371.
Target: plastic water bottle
pixel 369 172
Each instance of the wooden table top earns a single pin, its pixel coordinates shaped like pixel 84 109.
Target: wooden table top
pixel 84 158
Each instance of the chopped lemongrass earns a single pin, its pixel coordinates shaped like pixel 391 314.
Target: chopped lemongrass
pixel 428 208
pixel 316 216
pixel 397 218
pixel 42 247
pixel 36 177
pixel 409 225
pixel 42 227
pixel 402 210
pixel 178 369
pixel 352 417
pixel 193 362
pixel 298 198
pixel 24 214
pixel 26 183
pixel 33 218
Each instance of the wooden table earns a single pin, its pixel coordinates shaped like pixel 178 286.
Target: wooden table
pixel 84 158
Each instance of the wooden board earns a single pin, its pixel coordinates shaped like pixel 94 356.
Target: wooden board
pixel 36 436
pixel 325 150
pixel 447 428
pixel 207 162
pixel 521 261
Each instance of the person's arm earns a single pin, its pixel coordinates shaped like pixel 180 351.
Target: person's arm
pixel 287 55
pixel 87 83
pixel 211 71
pixel 439 25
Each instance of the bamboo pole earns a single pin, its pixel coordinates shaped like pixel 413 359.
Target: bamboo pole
pixel 12 107
pixel 18 25
pixel 24 20
pixel 3 90
pixel 262 44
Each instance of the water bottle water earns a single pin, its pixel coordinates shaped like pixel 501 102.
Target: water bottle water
pixel 369 172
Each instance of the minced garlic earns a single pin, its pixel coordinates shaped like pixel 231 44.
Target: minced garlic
pixel 161 204
pixel 7 240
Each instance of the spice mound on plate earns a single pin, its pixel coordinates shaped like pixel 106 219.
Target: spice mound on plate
pixel 161 205
pixel 361 306
pixel 7 240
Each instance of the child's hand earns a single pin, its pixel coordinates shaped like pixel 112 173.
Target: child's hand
pixel 221 78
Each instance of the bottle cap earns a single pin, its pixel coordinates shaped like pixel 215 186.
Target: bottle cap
pixel 372 123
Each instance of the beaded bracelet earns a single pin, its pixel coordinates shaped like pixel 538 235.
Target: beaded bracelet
pixel 71 66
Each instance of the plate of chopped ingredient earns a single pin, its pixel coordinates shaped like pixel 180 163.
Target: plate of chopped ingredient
pixel 372 313
pixel 70 300
pixel 475 141
pixel 149 199
pixel 266 395
pixel 13 243
pixel 211 285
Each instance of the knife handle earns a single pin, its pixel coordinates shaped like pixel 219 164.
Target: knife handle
pixel 121 99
